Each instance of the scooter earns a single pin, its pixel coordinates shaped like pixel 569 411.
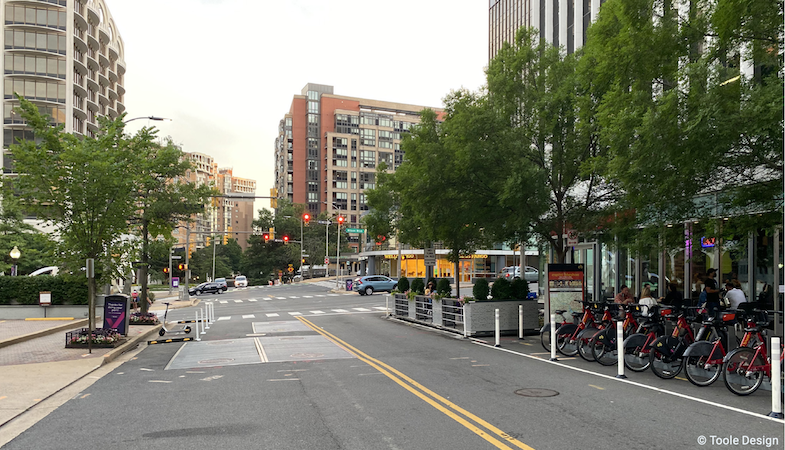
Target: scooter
pixel 185 330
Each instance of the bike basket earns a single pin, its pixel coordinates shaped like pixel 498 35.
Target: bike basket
pixel 728 317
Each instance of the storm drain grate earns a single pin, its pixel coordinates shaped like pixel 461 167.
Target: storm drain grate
pixel 536 392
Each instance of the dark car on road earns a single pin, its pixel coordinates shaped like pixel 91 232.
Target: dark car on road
pixel 372 283
pixel 211 288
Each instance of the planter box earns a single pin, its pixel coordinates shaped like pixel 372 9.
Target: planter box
pixel 480 316
pixel 80 345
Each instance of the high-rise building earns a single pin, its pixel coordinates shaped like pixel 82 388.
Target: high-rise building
pixel 66 56
pixel 562 23
pixel 235 211
pixel 329 146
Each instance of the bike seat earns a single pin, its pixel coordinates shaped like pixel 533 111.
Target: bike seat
pixel 577 314
pixel 560 311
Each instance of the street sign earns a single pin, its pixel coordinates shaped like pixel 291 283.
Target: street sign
pixel 355 230
pixel 290 269
pixel 429 255
pixel 177 257
pixel 175 282
pixel 324 222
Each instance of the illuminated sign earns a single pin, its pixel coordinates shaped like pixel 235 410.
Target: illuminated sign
pixel 708 242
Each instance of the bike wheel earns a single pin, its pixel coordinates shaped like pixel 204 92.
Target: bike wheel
pixel 604 352
pixel 698 370
pixel 662 364
pixel 584 348
pixel 743 371
pixel 545 340
pixel 567 344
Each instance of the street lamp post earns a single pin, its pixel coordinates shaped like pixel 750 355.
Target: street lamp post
pixel 338 255
pixel 148 118
pixel 15 254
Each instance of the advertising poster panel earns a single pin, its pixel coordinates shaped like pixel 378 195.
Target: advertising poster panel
pixel 565 288
pixel 116 313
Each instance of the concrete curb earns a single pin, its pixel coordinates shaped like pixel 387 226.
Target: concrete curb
pixel 130 344
pixel 45 332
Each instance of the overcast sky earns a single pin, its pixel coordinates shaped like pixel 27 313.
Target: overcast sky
pixel 225 71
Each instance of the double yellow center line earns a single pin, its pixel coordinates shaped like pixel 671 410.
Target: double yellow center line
pixel 495 436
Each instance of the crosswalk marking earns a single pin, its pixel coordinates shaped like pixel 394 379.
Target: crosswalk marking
pixel 307 296
pixel 251 299
pixel 348 293
pixel 224 317
pixel 223 302
pixel 248 316
pixel 318 312
pixel 281 298
pixel 295 313
pixel 332 295
pixel 238 301
pixel 340 310
pixel 361 309
pixel 320 295
pixel 272 315
pixel 380 308
pixel 293 296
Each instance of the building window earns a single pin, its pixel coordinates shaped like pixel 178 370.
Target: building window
pixel 367 159
pixel 368 137
pixel 367 180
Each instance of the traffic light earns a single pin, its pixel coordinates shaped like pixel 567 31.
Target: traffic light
pixel 286 239
pixel 207 241
pixel 181 266
pixel 340 220
pixel 226 239
pixel 306 218
pixel 166 270
pixel 266 238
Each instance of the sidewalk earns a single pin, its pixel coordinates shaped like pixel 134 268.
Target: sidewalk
pixel 34 363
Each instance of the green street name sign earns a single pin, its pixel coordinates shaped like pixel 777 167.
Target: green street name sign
pixel 355 230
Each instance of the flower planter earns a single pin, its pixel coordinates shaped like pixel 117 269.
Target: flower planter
pixel 95 345
pixel 103 338
pixel 480 316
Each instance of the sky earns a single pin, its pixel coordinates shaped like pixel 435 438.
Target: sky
pixel 225 71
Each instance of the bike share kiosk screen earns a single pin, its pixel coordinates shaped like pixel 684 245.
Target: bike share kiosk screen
pixel 565 288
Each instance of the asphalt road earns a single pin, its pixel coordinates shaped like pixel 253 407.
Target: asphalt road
pixel 320 371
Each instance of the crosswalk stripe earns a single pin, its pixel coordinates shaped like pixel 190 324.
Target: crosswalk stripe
pixel 224 317
pixel 223 302
pixel 281 298
pixel 292 296
pixel 332 295
pixel 349 293
pixel 295 313
pixel 318 312
pixel 361 309
pixel 251 299
pixel 307 296
pixel 248 316
pixel 340 310
pixel 320 295
pixel 380 308
pixel 238 301
pixel 272 315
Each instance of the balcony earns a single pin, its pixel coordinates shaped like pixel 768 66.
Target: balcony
pixel 78 112
pixel 92 14
pixel 120 67
pixel 103 59
pixel 80 67
pixel 92 41
pixel 78 89
pixel 113 53
pixel 80 19
pixel 80 44
pixel 112 76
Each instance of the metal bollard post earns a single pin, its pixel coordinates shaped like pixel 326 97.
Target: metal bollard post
pixel 197 326
pixel 553 337
pixel 496 327
pixel 776 386
pixel 520 321
pixel 620 349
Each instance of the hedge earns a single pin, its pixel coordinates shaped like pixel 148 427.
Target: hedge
pixel 25 290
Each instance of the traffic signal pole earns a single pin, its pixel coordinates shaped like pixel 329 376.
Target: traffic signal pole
pixel 170 271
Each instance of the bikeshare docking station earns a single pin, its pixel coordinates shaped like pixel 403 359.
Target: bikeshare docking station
pixel 634 336
pixel 204 317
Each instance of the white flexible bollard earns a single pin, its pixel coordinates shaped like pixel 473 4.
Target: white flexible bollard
pixel 463 317
pixel 620 349
pixel 553 337
pixel 201 311
pixel 776 386
pixel 387 305
pixel 206 317
pixel 520 321
pixel 496 327
pixel 212 310
pixel 197 326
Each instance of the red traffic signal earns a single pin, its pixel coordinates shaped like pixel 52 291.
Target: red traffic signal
pixel 286 239
pixel 266 237
pixel 341 219
pixel 306 217
pixel 166 270
pixel 181 266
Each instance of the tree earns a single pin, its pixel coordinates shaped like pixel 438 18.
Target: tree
pixel 162 197
pixel 80 186
pixel 38 250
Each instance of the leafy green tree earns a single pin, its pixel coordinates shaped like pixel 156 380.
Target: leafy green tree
pixel 161 195
pixel 38 250
pixel 418 286
pixel 480 290
pixel 80 186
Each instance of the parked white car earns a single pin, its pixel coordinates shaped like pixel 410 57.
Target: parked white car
pixel 240 281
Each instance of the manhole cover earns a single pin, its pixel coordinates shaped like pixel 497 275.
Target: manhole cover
pixel 536 392
pixel 216 361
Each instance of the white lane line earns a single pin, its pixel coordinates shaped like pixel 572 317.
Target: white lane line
pixel 332 295
pixel 238 301
pixel 293 296
pixel 340 310
pixel 281 298
pixel 158 381
pixel 317 312
pixel 320 295
pixel 295 313
pixel 224 317
pixel 248 316
pixel 361 309
pixel 251 299
pixel 380 308
pixel 307 296
pixel 272 315
pixel 349 293
pixel 223 302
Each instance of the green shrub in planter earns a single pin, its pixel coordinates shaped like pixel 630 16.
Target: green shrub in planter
pixel 443 287
pixel 403 284
pixel 480 290
pixel 501 289
pixel 418 286
pixel 520 289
